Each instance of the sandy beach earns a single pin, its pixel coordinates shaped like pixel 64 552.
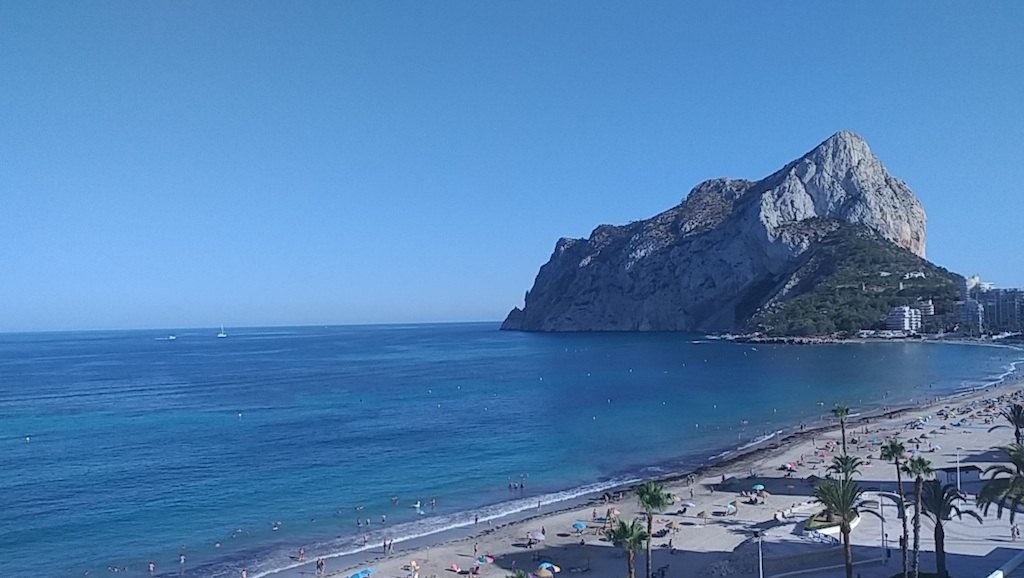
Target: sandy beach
pixel 724 542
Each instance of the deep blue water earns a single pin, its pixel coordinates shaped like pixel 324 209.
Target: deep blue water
pixel 120 447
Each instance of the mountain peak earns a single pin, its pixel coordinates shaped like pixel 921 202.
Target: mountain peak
pixel 844 148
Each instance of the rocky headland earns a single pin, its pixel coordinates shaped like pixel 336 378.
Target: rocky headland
pixel 826 237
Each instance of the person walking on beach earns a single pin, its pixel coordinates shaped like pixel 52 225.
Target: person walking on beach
pixel 244 573
pixel 302 554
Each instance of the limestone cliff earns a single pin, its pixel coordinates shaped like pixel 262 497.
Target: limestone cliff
pixel 729 248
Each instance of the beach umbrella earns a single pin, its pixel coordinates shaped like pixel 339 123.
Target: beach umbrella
pixel 758 487
pixel 704 515
pixel 544 573
pixel 549 566
pixel 485 560
pixel 579 525
pixel 538 536
pixel 688 504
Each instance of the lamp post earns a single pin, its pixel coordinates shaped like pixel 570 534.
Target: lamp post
pixel 760 557
pixel 958 448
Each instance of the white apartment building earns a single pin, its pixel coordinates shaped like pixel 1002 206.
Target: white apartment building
pixel 903 318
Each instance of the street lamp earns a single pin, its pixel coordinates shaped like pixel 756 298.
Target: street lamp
pixel 760 557
pixel 958 448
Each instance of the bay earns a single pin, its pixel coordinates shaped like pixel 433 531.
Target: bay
pixel 122 447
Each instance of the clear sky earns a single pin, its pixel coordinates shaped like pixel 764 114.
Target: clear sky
pixel 192 163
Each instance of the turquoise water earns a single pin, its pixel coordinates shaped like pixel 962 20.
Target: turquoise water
pixel 122 447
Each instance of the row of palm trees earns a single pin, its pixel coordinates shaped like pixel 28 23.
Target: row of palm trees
pixel 843 500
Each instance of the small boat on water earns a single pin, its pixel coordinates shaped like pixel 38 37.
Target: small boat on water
pixel 171 337
pixel 222 335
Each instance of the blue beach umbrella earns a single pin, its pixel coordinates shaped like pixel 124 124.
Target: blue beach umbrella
pixel 758 487
pixel 579 525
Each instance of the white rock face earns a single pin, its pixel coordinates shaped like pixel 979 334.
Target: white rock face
pixel 841 179
pixel 708 262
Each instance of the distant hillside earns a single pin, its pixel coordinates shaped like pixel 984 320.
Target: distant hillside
pixel 848 281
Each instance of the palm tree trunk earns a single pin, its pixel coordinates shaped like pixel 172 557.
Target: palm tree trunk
pixel 903 518
pixel 847 549
pixel 842 427
pixel 629 563
pixel 1017 434
pixel 918 488
pixel 650 529
pixel 940 549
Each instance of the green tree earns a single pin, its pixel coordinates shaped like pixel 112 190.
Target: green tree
pixel 893 450
pixel 917 467
pixel 846 466
pixel 1006 488
pixel 842 501
pixel 940 504
pixel 517 573
pixel 630 537
pixel 653 498
pixel 1014 414
pixel 841 412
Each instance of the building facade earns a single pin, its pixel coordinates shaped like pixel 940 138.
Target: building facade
pixel 903 318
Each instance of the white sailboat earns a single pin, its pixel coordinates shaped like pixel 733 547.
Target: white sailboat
pixel 222 335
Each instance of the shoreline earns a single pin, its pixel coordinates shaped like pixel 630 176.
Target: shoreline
pixel 741 458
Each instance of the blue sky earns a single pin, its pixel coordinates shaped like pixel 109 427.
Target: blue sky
pixel 179 164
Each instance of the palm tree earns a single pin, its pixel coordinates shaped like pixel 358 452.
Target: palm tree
pixel 1015 415
pixel 940 504
pixel 630 536
pixel 517 573
pixel 1005 492
pixel 846 465
pixel 842 500
pixel 653 498
pixel 841 411
pixel 894 450
pixel 919 468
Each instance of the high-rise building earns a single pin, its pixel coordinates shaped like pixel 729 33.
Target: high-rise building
pixel 972 316
pixel 1003 309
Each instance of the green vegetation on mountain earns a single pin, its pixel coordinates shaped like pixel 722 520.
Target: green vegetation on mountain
pixel 848 281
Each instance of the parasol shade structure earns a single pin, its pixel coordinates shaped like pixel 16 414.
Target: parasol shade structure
pixel 757 487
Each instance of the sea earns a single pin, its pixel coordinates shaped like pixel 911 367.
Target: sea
pixel 118 448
